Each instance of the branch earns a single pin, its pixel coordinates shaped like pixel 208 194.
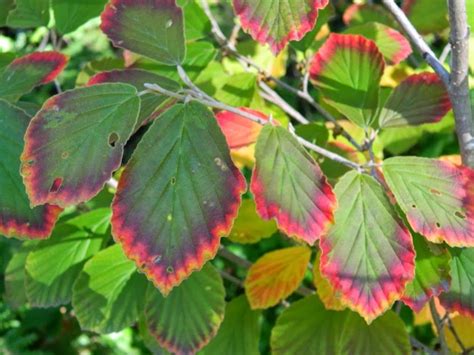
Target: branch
pixel 439 327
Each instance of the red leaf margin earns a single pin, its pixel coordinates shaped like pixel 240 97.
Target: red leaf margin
pixel 56 59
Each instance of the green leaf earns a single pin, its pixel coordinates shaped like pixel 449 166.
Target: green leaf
pixel 5 7
pixel 421 98
pixel 278 22
pixel 17 218
pixel 289 186
pixel 359 14
pixel 189 317
pixel 108 294
pixel 417 11
pixel 431 274
pixel 54 265
pixel 239 333
pixel 368 255
pixel 76 141
pixel 460 296
pixel 177 196
pixel 239 90
pixel 153 28
pixel 437 197
pixel 306 327
pixel 69 15
pixel 197 24
pixel 29 13
pixel 97 221
pixel 347 70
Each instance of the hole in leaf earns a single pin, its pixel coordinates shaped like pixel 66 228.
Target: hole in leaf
pixel 438 225
pixel 435 192
pixel 65 155
pixel 413 206
pixel 173 180
pixel 56 185
pixel 113 138
pixel 157 259
pixel 169 269
pixel 460 215
pixel 30 162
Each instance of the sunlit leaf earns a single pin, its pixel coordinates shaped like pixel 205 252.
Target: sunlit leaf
pixel 417 11
pixel 189 317
pixel 69 15
pixel 76 141
pixel 368 255
pixel 96 221
pixel 326 293
pixel 347 70
pixel 463 327
pixel 153 28
pixel 29 13
pixel 276 275
pixel 437 197
pixel 278 22
pixel 289 186
pixel 178 195
pixel 359 14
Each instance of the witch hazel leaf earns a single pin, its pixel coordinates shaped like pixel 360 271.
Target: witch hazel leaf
pixel 17 218
pixel 153 28
pixel 25 73
pixel 76 141
pixel 239 131
pixel 420 98
pixel 347 70
pixel 278 22
pixel 359 14
pixel 431 274
pixel 436 196
pixel 460 296
pixel 326 293
pixel 178 195
pixel 390 42
pixel 289 186
pixel 189 317
pixel 368 255
pixel 276 275
pixel 152 104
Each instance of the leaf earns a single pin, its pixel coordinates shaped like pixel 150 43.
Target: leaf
pixel 239 131
pixel 431 274
pixel 197 24
pixel 368 255
pixel 460 296
pixel 17 219
pixel 76 141
pixel 152 104
pixel 278 22
pixel 306 327
pixel 69 15
pixel 437 197
pixel 239 90
pixel 97 221
pixel 249 227
pixel 25 73
pixel 347 70
pixel 463 326
pixel 5 7
pixel 29 13
pixel 390 42
pixel 189 317
pixel 178 195
pixel 108 294
pixel 54 265
pixel 416 11
pixel 326 293
pixel 153 28
pixel 239 333
pixel 289 186
pixel 421 98
pixel 276 275
pixel 359 14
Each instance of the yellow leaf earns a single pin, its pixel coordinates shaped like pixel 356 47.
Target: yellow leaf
pixel 464 327
pixel 325 291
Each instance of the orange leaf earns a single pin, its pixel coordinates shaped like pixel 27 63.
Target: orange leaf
pixel 326 292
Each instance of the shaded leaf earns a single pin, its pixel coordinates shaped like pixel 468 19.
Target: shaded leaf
pixel 289 186
pixel 368 254
pixel 189 317
pixel 5 7
pixel 417 11
pixel 178 195
pixel 29 13
pixel 437 197
pixel 330 298
pixel 197 24
pixel 69 15
pixel 276 275
pixel 153 28
pixel 76 141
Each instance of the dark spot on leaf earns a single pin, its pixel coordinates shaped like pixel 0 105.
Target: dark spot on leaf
pixel 438 225
pixel 460 215
pixel 65 155
pixel 435 192
pixel 173 180
pixel 30 162
pixel 413 206
pixel 56 185
pixel 113 138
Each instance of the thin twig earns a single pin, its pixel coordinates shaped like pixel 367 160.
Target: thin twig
pixel 231 278
pixel 419 345
pixel 439 328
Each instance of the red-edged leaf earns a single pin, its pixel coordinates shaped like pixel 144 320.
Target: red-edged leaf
pixel 326 292
pixel 358 14
pixel 277 22
pixel 29 71
pixel 76 141
pixel 178 195
pixel 421 98
pixel 368 255
pixel 239 131
pixel 437 197
pixel 276 275
pixel 153 28
pixel 17 219
pixel 431 274
pixel 152 104
pixel 460 296
pixel 390 42
pixel 289 186
pixel 347 70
